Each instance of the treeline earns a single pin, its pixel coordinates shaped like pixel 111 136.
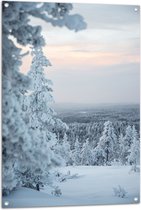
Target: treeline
pixel 126 114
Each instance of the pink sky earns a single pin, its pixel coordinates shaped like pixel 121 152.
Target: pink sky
pixel 107 51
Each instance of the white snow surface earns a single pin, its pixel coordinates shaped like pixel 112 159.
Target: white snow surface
pixel 93 186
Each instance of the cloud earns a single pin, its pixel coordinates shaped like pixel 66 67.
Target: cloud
pixel 99 64
pixel 117 17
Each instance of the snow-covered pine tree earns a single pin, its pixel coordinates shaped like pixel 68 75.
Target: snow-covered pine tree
pixel 77 153
pixel 125 144
pixel 122 157
pixel 62 148
pixel 128 139
pixel 16 141
pixel 60 128
pixel 107 142
pixel 86 155
pixel 41 114
pixel 98 156
pixel 134 155
pixel 66 151
pixel 16 28
pixel 41 118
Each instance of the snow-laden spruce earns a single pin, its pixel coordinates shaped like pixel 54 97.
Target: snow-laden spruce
pixel 125 144
pixel 77 153
pixel 66 151
pixel 17 31
pixel 41 118
pixel 134 156
pixel 62 148
pixel 86 154
pixel 16 141
pixel 98 156
pixel 107 142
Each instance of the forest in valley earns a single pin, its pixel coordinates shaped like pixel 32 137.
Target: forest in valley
pixel 102 135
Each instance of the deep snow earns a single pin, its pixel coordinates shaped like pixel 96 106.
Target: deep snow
pixel 93 186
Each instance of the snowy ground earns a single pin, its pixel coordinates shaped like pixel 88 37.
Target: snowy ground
pixel 93 186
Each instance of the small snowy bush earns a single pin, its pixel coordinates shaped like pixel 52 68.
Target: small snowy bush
pixel 56 192
pixel 119 192
pixel 134 169
pixel 60 177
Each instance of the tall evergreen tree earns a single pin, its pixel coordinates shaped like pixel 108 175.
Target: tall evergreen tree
pixel 122 153
pixel 107 142
pixel 66 151
pixel 41 117
pixel 77 153
pixel 16 141
pixel 98 156
pixel 125 144
pixel 17 31
pixel 128 139
pixel 134 155
pixel 87 157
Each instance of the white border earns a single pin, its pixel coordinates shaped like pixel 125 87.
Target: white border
pixel 107 207
pixel 120 2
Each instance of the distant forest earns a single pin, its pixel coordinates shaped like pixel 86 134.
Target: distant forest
pixel 87 126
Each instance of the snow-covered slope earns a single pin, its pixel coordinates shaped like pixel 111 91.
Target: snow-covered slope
pixel 93 186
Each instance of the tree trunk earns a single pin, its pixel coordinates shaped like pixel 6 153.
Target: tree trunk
pixel 37 187
pixel 107 156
